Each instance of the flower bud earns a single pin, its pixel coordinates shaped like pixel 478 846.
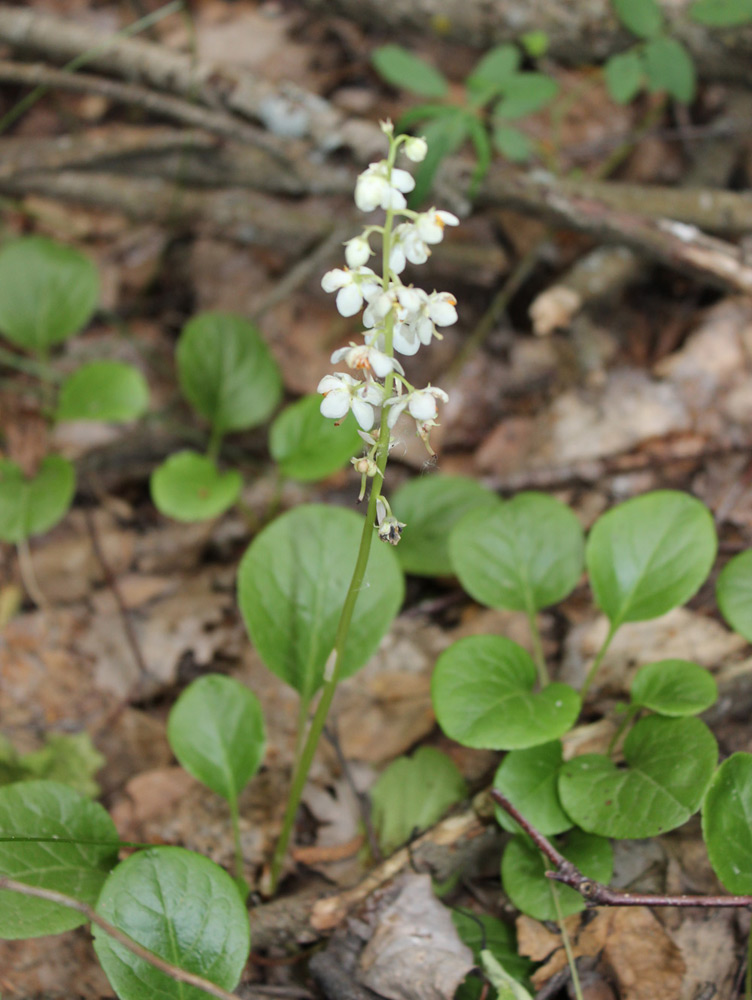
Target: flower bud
pixel 416 148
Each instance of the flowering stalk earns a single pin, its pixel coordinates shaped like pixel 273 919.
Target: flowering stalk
pixel 398 318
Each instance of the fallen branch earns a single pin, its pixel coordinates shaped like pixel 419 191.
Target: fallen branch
pixel 595 893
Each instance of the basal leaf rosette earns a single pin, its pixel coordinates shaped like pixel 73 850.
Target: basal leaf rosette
pixel 484 696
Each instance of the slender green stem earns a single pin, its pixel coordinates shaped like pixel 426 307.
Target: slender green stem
pixel 566 942
pixel 538 654
pixel 235 820
pixel 598 660
pixel 29 366
pixel 215 443
pixel 630 713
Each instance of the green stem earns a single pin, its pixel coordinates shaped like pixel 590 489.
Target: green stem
pixel 29 366
pixel 538 654
pixel 598 660
pixel 628 716
pixel 215 443
pixel 235 820
pixel 567 943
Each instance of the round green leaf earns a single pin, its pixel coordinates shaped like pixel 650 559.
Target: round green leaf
pixel 523 554
pixel 103 390
pixel 55 813
pixel 674 688
pixel 669 765
pixel 430 507
pixel 482 691
pixel 523 873
pixel 47 292
pixel 734 593
pixel 292 583
pixel 649 555
pixel 412 794
pixel 182 907
pixel 33 506
pixel 669 67
pixel 721 13
pixel 227 372
pixel 402 69
pixel 308 446
pixel 529 779
pixel 524 94
pixel 625 74
pixel 216 731
pixel 189 487
pixel 493 72
pixel 643 17
pixel 512 143
pixel 727 823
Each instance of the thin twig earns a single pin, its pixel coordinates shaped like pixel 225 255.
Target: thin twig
pixel 29 577
pixel 595 893
pixel 173 971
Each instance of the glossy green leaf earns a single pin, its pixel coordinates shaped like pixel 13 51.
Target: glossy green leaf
pixel 529 779
pixel 481 932
pixel 669 765
pixel 103 390
pixel 227 372
pixel 649 555
pixel 47 292
pixel 189 487
pixel 512 143
pixel 523 554
pixel 674 688
pixel 483 695
pixel 292 583
pixel 734 593
pixel 216 731
pixel 493 72
pixel 182 907
pixel 54 813
pixel 625 75
pixel 32 506
pixel 308 446
pixel 727 823
pixel 431 506
pixel 721 13
pixel 444 136
pixel 642 17
pixel 412 794
pixel 402 69
pixel 669 67
pixel 523 870
pixel 525 94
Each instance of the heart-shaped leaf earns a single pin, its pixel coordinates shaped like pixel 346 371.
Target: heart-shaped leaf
pixel 482 691
pixel 412 794
pixel 103 390
pixel 307 445
pixel 669 765
pixel 431 506
pixel 726 825
pixel 674 688
pixel 292 583
pixel 227 372
pixel 216 731
pixel 734 593
pixel 32 506
pixel 523 870
pixel 649 555
pixel 47 292
pixel 189 487
pixel 182 907
pixel 529 779
pixel 77 846
pixel 523 554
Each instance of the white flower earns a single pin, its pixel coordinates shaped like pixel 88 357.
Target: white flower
pixel 351 287
pixel 419 325
pixel 357 251
pixel 407 245
pixel 367 358
pixel 430 225
pixel 416 148
pixel 342 393
pixel 377 188
pixel 420 404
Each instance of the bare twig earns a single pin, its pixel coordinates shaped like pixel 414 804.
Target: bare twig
pixel 173 971
pixel 595 893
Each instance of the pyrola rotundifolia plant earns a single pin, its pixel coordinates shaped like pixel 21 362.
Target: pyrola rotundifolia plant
pixel 398 318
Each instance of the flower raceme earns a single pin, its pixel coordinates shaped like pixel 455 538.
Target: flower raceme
pixel 396 317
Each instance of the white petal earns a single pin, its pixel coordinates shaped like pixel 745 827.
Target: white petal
pixel 335 279
pixel 391 198
pixel 349 300
pixel 404 340
pixel 442 310
pixel 335 404
pixel 394 412
pixel 381 364
pixel 370 393
pixel 357 251
pixel 363 413
pixel 416 148
pixel 397 260
pixel 402 180
pixel 369 191
pixel 422 406
pixel 329 383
